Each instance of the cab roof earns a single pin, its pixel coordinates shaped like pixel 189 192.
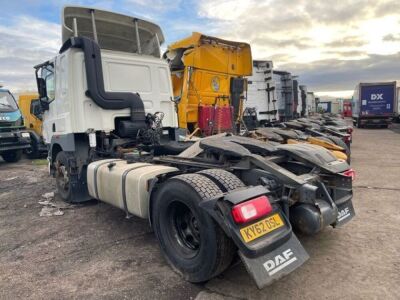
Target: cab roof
pixel 197 39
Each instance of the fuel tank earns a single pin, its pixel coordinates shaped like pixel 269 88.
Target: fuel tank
pixel 122 184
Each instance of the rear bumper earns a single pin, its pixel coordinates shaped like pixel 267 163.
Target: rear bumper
pixel 374 121
pixel 13 140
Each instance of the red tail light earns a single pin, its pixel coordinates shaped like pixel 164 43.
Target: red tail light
pixel 251 209
pixel 350 173
pixel 349 130
pixel 347 138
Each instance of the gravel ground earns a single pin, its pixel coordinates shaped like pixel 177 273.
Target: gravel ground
pixel 92 251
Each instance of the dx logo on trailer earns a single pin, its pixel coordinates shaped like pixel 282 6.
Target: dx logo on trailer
pixel 376 96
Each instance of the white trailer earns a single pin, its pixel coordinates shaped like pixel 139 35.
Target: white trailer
pixel 261 95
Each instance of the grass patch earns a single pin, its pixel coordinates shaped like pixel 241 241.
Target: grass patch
pixel 39 162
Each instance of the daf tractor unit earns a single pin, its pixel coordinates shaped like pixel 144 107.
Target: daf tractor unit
pixel 112 130
pixel 14 139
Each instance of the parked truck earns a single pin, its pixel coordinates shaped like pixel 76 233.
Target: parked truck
pixel 109 122
pixel 13 136
pixel 209 83
pixel 374 104
pixel 31 111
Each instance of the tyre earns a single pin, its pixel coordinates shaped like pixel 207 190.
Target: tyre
pixel 63 178
pixel 191 241
pixel 33 151
pixel 12 156
pixel 225 180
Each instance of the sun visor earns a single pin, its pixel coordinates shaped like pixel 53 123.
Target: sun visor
pixel 112 31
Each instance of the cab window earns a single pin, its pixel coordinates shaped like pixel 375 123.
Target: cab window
pixel 7 102
pixel 48 75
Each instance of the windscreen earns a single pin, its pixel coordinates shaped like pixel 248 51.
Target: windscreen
pixel 7 102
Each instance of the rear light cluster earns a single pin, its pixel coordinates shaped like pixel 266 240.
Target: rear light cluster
pixel 251 209
pixel 347 139
pixel 350 173
pixel 349 130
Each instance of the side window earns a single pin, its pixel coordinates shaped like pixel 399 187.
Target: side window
pixel 48 75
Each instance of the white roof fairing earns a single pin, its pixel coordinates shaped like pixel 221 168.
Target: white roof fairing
pixel 114 31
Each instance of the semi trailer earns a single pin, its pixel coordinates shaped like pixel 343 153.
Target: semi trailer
pixel 113 135
pixel 14 138
pixel 374 104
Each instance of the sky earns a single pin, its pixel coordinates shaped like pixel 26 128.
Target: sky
pixel 330 45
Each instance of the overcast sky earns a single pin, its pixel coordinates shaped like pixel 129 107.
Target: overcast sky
pixel 331 45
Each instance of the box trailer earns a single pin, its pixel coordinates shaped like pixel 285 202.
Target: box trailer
pixel 326 106
pixel 284 92
pixel 310 103
pixel 374 104
pixel 261 95
pixel 347 109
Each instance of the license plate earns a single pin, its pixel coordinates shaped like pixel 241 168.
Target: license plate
pixel 256 230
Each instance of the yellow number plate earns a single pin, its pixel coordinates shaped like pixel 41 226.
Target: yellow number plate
pixel 261 228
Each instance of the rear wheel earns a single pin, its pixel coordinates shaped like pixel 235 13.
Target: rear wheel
pixel 62 174
pixel 225 180
pixel 12 156
pixel 193 244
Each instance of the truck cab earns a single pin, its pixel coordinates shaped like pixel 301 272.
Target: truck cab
pixel 107 90
pixel 30 108
pixel 13 136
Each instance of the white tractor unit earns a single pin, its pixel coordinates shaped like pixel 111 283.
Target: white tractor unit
pixel 110 123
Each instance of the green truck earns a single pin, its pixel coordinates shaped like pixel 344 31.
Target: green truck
pixel 14 139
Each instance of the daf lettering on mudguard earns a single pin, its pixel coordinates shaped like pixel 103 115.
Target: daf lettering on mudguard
pixel 345 213
pixel 281 261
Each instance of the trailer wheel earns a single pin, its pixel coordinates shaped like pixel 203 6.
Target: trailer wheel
pixel 225 180
pixel 12 156
pixel 191 241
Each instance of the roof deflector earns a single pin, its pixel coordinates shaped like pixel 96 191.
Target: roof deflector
pixel 112 31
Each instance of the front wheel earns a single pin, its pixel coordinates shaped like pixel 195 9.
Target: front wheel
pixel 12 156
pixel 193 244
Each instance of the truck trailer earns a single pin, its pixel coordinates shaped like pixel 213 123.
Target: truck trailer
pixel 374 104
pixel 261 94
pixel 110 125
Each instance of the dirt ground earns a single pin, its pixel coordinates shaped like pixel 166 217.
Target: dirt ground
pixel 94 252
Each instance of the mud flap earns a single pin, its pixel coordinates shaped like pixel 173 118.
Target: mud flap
pixel 345 213
pixel 283 260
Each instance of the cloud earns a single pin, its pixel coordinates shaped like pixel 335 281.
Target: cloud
pixel 330 45
pixel 391 38
pixel 348 41
pixel 333 74
pixel 23 44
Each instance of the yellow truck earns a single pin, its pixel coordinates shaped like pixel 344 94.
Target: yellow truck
pixel 30 109
pixel 208 77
